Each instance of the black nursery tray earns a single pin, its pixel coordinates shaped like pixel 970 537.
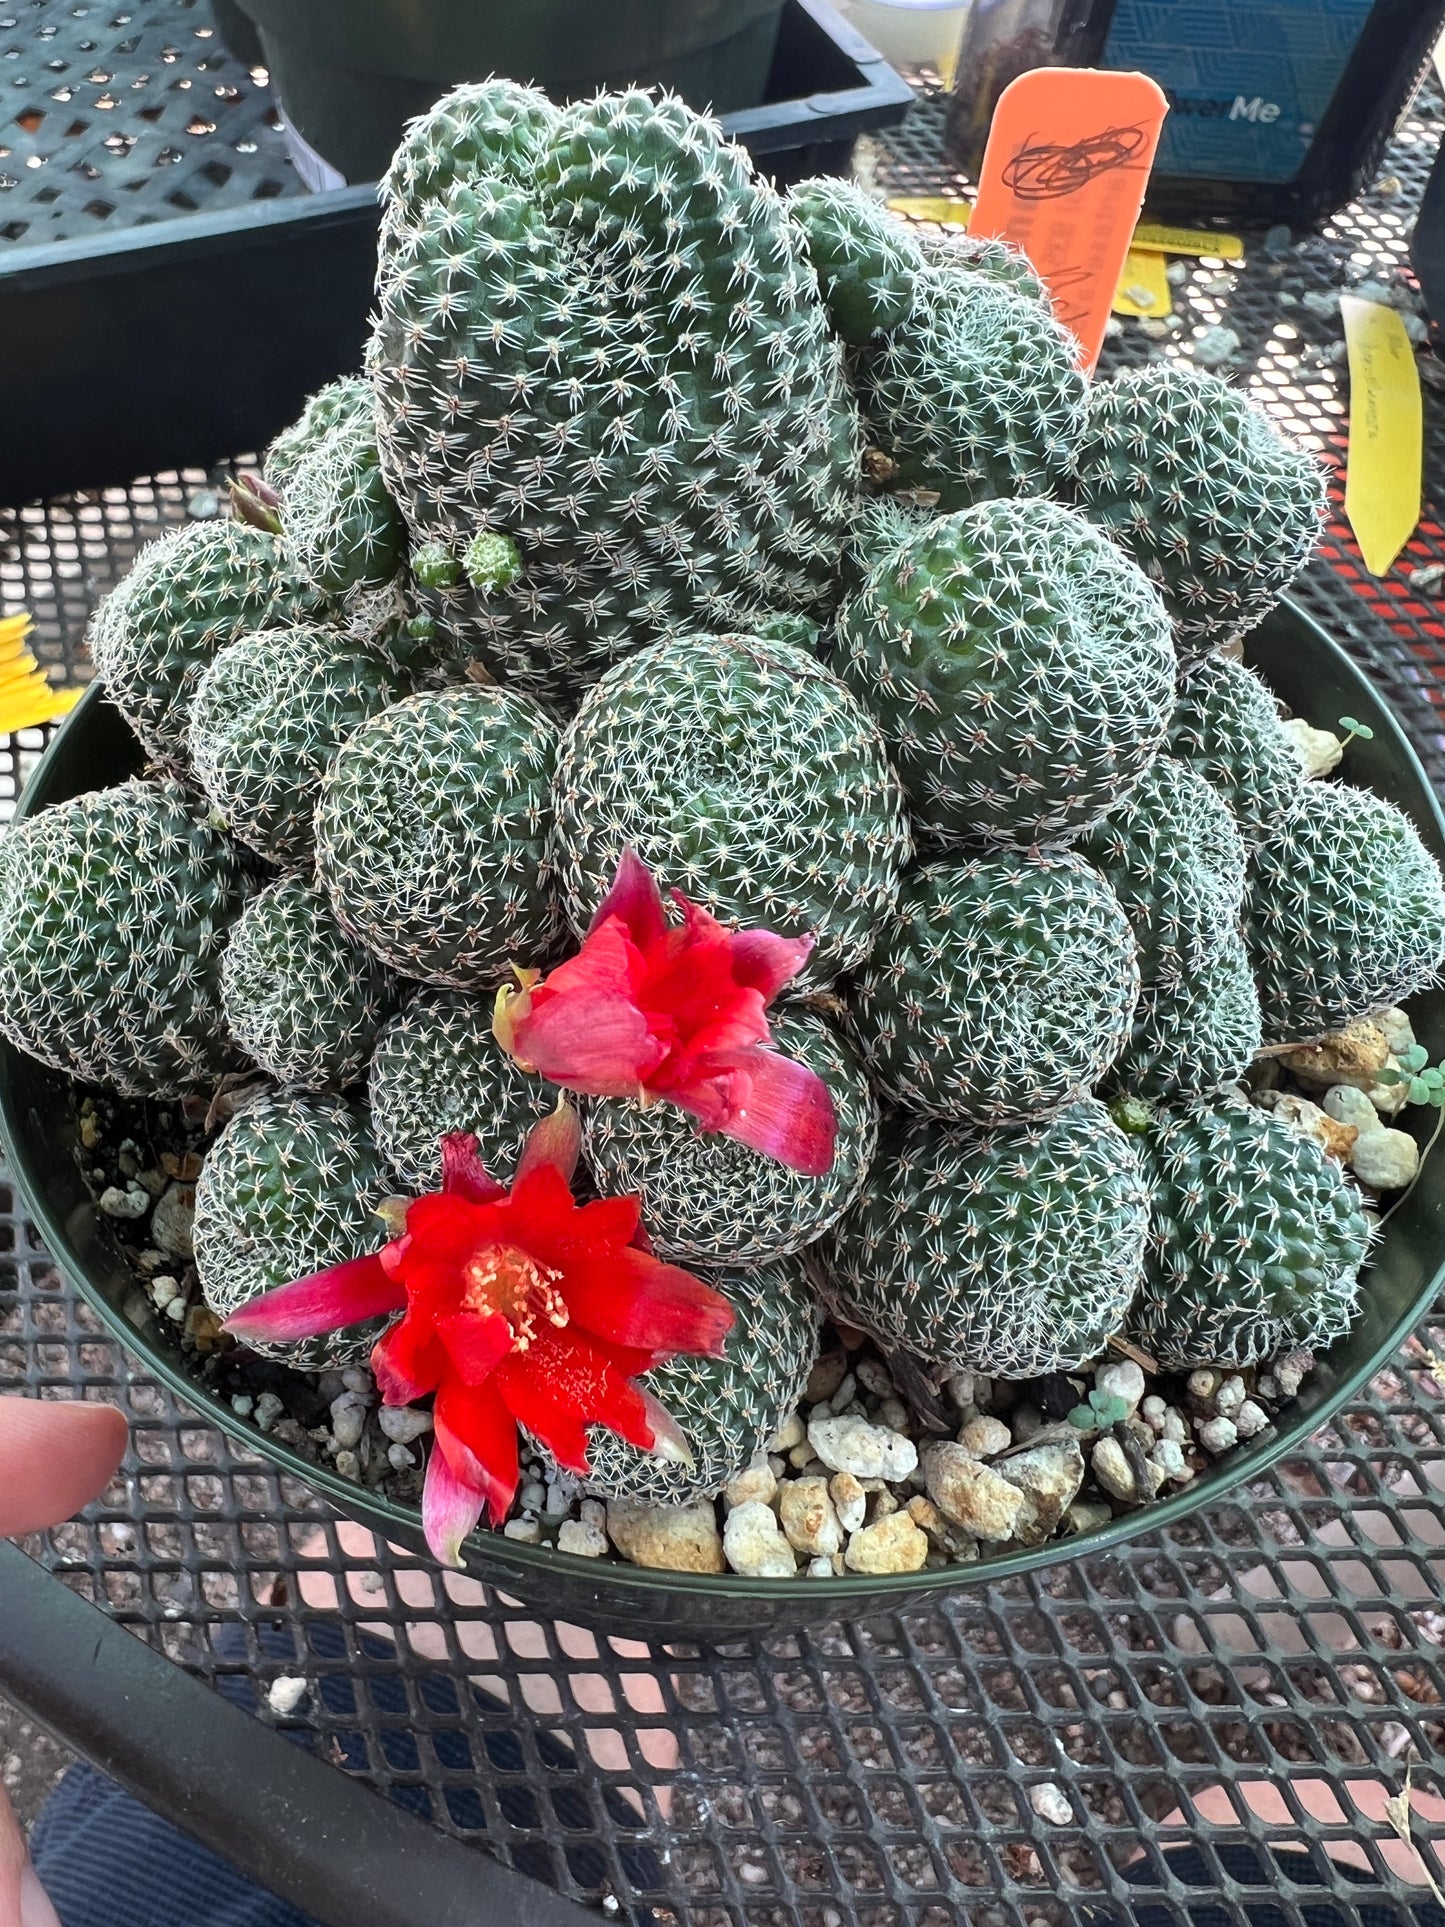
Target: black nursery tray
pixel 39 1124
pixel 217 325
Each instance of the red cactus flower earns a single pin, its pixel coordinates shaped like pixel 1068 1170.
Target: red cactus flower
pixel 648 1009
pixel 520 1307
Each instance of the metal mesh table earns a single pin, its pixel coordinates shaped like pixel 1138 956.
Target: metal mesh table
pixel 1202 1727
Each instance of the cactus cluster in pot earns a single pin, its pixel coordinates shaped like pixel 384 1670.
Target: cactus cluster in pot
pixel 715 796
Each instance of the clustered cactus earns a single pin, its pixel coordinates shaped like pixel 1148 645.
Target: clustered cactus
pixel 967 382
pixel 431 834
pixel 729 1407
pixel 711 1201
pixel 787 550
pixel 269 714
pixel 1346 912
pixel 976 394
pixel 865 261
pixel 1192 479
pixel 1226 725
pixel 291 1186
pixel 338 517
pixel 1175 860
pixel 1020 668
pixel 598 334
pixel 744 773
pixel 189 593
pixel 1255 1244
pixel 114 909
pixel 1001 989
pixel 1012 1251
pixel 437 1068
pixel 298 994
pixel 1193 1033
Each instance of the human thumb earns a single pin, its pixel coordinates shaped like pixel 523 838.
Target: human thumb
pixel 23 1901
pixel 35 1907
pixel 55 1456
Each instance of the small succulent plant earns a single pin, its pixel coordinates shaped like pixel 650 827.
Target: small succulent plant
pixel 1424 1084
pixel 1099 1411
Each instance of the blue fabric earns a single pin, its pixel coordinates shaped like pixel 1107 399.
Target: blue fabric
pixel 107 1861
pixel 1350 1896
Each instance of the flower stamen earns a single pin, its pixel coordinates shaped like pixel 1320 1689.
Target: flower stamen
pixel 504 1279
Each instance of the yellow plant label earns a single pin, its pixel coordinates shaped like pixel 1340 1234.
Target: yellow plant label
pixel 26 697
pixel 1384 466
pixel 28 709
pixel 1149 236
pixel 1144 285
pixel 932 207
pixel 1187 240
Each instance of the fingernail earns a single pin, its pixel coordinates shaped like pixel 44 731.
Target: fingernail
pixel 35 1908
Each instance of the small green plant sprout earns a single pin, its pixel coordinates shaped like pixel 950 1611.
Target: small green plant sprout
pixel 1102 1410
pixel 491 561
pixel 1133 1115
pixel 434 567
pixel 1353 729
pixel 1424 1084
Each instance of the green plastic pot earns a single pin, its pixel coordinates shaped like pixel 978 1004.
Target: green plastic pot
pixel 351 73
pixel 39 1124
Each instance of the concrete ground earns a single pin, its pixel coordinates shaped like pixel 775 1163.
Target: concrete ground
pixel 30 1762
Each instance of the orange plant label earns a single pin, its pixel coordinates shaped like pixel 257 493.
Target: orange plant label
pixel 1064 173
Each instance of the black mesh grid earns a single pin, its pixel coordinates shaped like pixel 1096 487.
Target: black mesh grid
pixel 1202 1727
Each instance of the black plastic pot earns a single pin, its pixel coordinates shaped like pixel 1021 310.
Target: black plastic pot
pixel 39 1124
pixel 350 73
